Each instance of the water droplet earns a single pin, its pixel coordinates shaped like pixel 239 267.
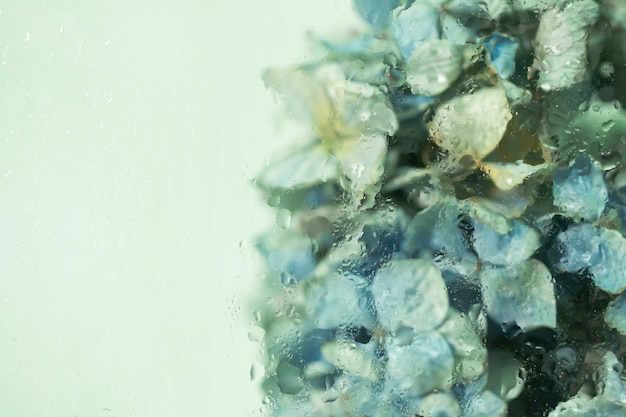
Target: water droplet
pixel 256 371
pixel 283 218
pixel 287 279
pixel 608 125
pixel 511 330
pixel 606 69
pixel 255 334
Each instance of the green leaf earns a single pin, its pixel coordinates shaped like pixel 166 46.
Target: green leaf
pixel 597 130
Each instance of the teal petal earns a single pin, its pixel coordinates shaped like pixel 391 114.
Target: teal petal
pixel 436 229
pixel 419 367
pixel 410 293
pixel 509 248
pixel 484 404
pixel 339 300
pixel 376 12
pixel 579 190
pixel 598 250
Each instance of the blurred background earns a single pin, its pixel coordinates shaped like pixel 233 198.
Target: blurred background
pixel 130 132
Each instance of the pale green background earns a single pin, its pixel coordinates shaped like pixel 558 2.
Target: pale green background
pixel 129 133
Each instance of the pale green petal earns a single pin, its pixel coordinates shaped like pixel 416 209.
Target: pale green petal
pixel 439 405
pixel 466 341
pixel 359 107
pixel 454 31
pixel 433 67
pixel 536 5
pixel 349 358
pixel 288 378
pixel 508 175
pixel 472 124
pixel 504 374
pixel 303 168
pixel 522 293
pixel 615 315
pixel 304 96
pixel 580 406
pixel 561 44
pixel 495 221
pixel 424 187
pixel 362 162
pixel 608 379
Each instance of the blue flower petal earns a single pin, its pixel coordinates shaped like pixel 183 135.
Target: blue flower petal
pixel 289 255
pixel 502 50
pixel 410 293
pixel 340 300
pixel 436 229
pixel 505 249
pixel 412 26
pixel 421 366
pixel 598 250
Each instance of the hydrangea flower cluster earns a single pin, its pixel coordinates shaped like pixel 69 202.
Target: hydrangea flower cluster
pixel 450 236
